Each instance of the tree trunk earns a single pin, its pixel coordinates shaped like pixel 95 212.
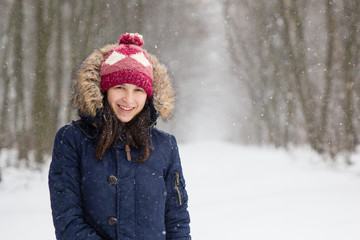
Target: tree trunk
pixel 56 103
pixel 5 134
pixel 20 114
pixel 350 69
pixel 298 68
pixel 330 46
pixel 41 107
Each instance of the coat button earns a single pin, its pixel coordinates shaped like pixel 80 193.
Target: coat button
pixel 112 221
pixel 112 180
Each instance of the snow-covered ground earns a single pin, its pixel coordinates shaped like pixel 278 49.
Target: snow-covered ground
pixel 235 192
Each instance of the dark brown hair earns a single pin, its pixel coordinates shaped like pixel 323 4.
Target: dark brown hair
pixel 135 133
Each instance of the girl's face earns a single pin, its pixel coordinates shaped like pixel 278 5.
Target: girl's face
pixel 126 100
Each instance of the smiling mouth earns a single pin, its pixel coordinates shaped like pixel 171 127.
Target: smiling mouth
pixel 126 108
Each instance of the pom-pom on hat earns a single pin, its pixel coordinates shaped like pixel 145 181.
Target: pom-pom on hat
pixel 127 63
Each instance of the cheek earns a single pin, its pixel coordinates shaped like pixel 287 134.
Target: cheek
pixel 142 101
pixel 111 97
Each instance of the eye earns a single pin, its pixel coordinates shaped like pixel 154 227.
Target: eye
pixel 139 90
pixel 119 87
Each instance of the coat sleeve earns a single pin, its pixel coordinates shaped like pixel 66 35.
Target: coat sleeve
pixel 65 195
pixel 177 217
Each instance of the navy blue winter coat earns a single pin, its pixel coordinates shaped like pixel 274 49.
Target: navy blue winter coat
pixel 115 198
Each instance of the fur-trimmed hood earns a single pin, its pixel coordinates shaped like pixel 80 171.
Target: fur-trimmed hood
pixel 87 97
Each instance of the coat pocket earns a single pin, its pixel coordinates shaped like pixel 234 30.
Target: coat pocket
pixel 179 188
pixel 177 184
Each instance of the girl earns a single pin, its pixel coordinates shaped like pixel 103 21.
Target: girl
pixel 113 175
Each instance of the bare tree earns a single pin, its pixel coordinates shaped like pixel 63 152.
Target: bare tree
pixel 41 108
pixel 20 113
pixel 349 69
pixel 273 58
pixel 323 137
pixel 5 133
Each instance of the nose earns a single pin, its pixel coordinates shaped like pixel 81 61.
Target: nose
pixel 127 98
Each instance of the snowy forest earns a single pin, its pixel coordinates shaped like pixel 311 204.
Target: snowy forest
pixel 274 72
pixel 267 107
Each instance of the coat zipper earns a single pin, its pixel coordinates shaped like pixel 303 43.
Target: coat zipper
pixel 177 182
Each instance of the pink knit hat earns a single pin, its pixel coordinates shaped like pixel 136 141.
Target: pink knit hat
pixel 127 63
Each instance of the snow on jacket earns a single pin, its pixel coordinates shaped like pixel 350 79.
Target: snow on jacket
pixel 115 198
